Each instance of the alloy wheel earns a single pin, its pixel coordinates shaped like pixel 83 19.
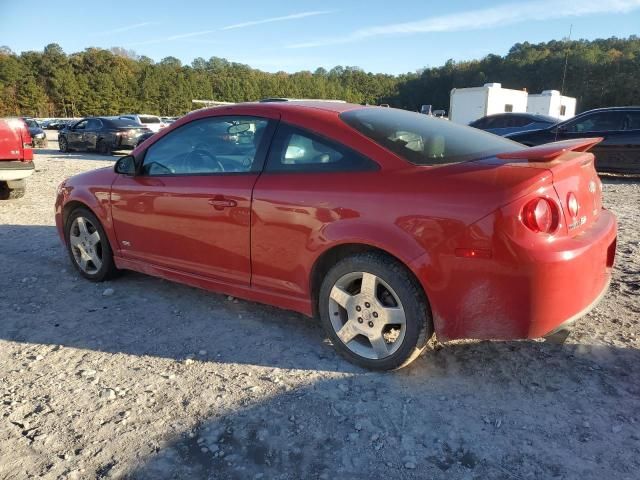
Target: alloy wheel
pixel 367 315
pixel 86 245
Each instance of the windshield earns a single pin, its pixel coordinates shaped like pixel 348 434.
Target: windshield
pixel 424 140
pixel 32 124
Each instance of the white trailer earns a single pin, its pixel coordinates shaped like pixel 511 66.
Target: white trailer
pixel 550 102
pixel 469 104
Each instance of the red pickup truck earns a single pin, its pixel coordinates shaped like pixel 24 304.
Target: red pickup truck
pixel 16 157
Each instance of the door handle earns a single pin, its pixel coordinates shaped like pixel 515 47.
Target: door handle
pixel 220 203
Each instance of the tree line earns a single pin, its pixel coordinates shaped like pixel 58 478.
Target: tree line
pixel 51 83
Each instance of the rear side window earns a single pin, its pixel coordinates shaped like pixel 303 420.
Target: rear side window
pixel 298 150
pixel 424 140
pixel 94 124
pixel 632 121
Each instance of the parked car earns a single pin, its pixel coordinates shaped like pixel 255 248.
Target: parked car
pixel 619 127
pixel 101 134
pixel 57 124
pixel 505 123
pixel 387 224
pixel 152 122
pixel 38 137
pixel 16 157
pixel 143 137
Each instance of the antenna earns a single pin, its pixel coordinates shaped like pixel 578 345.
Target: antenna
pixel 564 73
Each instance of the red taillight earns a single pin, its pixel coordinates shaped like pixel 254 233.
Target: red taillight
pixel 572 204
pixel 540 215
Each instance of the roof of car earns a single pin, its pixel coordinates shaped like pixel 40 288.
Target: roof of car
pixel 330 106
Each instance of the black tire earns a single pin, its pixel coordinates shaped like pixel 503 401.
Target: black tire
pixel 108 268
pixel 63 144
pixel 102 148
pixel 418 321
pixel 11 193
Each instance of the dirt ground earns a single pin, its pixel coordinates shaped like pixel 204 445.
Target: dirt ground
pixel 154 380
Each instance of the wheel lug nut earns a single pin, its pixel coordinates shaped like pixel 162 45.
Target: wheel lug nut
pixel 358 308
pixel 367 304
pixel 370 324
pixel 375 314
pixel 360 320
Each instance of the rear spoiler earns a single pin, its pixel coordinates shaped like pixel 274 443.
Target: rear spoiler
pixel 550 151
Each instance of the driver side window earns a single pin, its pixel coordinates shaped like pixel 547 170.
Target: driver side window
pixel 597 122
pixel 207 146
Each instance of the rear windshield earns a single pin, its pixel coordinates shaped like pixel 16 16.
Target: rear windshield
pixel 124 122
pixel 424 140
pixel 148 119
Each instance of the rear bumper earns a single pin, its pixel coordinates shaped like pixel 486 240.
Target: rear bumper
pixel 15 170
pixel 526 291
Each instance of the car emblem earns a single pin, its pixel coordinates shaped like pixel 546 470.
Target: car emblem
pixel 592 186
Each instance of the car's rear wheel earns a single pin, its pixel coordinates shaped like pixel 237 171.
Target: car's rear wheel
pixel 63 145
pixel 374 312
pixel 88 246
pixel 103 148
pixel 12 190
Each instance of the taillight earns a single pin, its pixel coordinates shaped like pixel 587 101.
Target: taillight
pixel 572 204
pixel 540 215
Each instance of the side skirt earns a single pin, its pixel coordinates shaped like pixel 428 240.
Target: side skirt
pixel 300 305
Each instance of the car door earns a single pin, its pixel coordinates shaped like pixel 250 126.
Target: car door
pixel 605 124
pixel 75 135
pixel 91 132
pixel 627 159
pixel 189 206
pixel 295 199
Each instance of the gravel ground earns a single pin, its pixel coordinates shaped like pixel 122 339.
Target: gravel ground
pixel 143 378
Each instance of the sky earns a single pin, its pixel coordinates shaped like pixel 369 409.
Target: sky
pixel 376 35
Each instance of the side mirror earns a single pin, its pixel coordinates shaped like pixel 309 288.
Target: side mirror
pixel 125 165
pixel 561 129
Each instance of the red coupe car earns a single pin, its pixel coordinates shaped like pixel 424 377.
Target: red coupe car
pixel 388 225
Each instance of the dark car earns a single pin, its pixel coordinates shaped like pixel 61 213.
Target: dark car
pixel 619 151
pixel 38 137
pixel 57 124
pixel 102 134
pixel 143 137
pixel 505 123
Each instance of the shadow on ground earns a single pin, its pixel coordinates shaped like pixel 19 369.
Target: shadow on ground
pixel 482 410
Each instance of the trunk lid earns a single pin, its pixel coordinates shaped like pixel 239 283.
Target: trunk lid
pixel 15 141
pixel 573 173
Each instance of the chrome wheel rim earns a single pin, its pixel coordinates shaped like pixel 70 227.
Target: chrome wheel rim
pixel 367 315
pixel 86 245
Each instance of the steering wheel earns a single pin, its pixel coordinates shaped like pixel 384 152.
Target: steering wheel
pixel 203 154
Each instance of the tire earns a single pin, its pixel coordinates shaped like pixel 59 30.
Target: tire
pixel 17 190
pixel 397 295
pixel 102 148
pixel 63 144
pixel 85 248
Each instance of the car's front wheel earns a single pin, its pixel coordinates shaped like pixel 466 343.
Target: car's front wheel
pixel 88 246
pixel 12 190
pixel 375 312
